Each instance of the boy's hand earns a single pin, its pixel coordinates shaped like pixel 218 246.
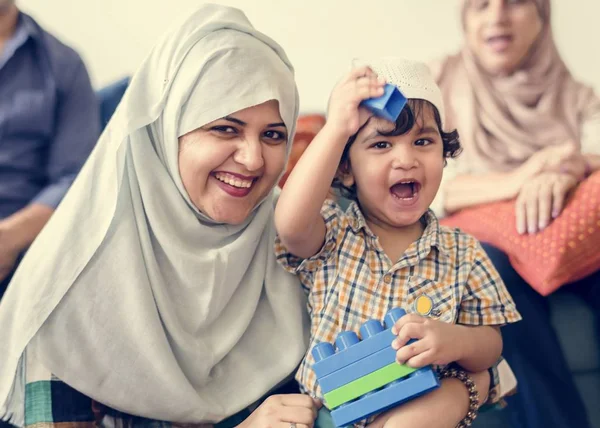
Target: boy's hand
pixel 436 342
pixel 343 112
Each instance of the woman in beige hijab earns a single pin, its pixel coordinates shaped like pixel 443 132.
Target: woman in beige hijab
pixel 530 132
pixel 154 288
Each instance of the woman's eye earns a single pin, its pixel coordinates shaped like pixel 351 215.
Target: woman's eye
pixel 275 135
pixel 479 4
pixel 224 129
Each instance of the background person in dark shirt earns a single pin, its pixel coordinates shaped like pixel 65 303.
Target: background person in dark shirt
pixel 49 123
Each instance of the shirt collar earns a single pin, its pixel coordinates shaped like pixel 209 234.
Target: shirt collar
pixel 25 28
pixel 431 236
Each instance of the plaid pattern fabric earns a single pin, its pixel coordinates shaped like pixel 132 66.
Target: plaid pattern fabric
pixel 51 403
pixel 352 280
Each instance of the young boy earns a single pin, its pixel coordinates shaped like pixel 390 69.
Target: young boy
pixel 388 250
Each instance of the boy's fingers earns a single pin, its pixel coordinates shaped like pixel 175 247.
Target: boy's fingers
pixel 407 352
pixel 407 319
pixel 359 72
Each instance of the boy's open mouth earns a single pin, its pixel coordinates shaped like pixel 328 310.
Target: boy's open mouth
pixel 406 189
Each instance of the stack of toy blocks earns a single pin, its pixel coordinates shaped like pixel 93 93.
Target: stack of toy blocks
pixel 363 378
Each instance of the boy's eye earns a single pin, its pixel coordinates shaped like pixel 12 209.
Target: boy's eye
pixel 423 142
pixel 381 145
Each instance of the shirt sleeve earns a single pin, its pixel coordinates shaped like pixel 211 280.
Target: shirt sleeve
pixel 305 268
pixel 486 301
pixel 76 132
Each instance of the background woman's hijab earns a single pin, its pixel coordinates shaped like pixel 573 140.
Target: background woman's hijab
pixel 130 295
pixel 502 121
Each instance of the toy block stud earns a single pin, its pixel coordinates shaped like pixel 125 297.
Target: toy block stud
pixel 389 105
pixel 393 316
pixel 370 329
pixel 345 340
pixel 322 351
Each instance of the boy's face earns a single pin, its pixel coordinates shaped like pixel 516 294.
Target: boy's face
pixel 396 177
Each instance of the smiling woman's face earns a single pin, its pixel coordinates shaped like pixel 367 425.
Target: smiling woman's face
pixel 228 166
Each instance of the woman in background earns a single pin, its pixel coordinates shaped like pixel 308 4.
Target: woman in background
pixel 530 132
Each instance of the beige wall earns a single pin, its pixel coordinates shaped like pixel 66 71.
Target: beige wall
pixel 320 36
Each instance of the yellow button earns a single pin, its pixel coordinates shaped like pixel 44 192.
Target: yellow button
pixel 387 278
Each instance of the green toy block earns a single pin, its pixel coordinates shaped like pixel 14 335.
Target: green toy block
pixel 368 383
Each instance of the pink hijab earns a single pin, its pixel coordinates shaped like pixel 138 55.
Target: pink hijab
pixel 504 120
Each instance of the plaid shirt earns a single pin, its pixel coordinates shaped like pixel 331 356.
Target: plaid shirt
pixel 351 280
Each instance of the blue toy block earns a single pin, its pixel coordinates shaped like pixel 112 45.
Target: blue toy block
pixel 417 384
pixel 353 354
pixel 358 369
pixel 326 363
pixel 389 105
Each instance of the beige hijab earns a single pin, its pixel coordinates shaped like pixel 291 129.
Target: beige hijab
pixel 502 121
pixel 132 296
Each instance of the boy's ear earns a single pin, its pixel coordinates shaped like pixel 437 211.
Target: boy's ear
pixel 345 175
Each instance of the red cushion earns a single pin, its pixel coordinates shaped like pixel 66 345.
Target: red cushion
pixel 306 128
pixel 566 251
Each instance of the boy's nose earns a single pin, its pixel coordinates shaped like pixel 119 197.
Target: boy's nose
pixel 404 158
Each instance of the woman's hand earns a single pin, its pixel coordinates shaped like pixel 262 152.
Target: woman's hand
pixel 282 411
pixel 541 199
pixel 549 159
pixel 577 166
pixel 344 116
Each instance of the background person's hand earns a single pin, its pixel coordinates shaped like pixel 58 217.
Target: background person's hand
pixel 548 159
pixel 542 199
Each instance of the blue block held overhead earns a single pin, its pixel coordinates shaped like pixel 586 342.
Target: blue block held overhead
pixel 389 105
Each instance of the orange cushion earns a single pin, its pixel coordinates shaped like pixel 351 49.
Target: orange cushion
pixel 306 128
pixel 566 251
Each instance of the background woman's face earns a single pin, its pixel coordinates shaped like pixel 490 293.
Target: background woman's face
pixel 501 33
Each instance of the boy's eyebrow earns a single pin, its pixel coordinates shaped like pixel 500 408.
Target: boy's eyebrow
pixel 428 130
pixel 373 134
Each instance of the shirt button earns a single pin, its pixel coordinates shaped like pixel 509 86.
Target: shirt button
pixel 387 278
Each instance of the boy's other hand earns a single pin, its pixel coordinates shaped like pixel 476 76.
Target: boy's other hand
pixel 433 341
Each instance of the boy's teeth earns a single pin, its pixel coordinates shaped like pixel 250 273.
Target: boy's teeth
pixel 233 181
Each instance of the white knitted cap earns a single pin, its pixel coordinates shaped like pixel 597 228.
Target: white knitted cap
pixel 413 78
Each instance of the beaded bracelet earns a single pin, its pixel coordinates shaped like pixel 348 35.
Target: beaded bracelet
pixel 473 394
